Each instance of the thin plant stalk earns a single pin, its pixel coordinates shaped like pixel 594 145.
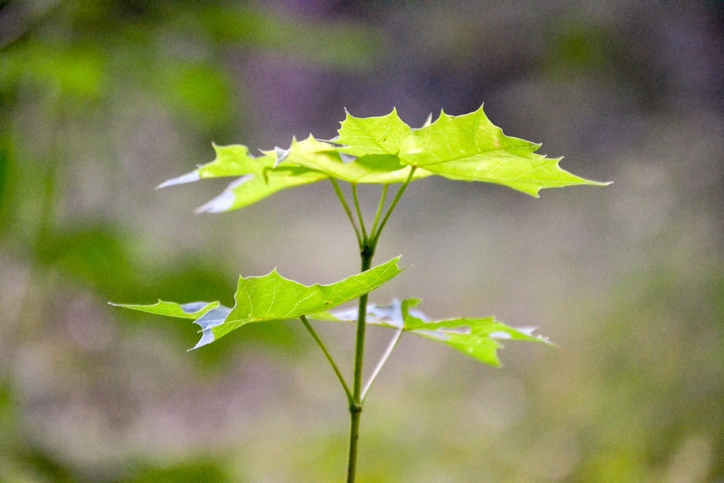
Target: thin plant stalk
pixel 342 200
pixel 328 356
pixel 375 236
pixel 359 212
pixel 379 209
pixel 355 408
pixel 367 251
pixel 390 347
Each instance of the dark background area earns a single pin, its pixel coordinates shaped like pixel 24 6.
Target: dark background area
pixel 100 101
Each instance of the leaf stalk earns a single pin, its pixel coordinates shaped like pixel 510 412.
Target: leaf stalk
pixel 397 197
pixel 359 213
pixel 342 200
pixel 321 345
pixel 379 209
pixel 383 361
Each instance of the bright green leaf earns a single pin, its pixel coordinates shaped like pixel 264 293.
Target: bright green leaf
pixel 467 147
pixel 382 150
pixel 321 156
pixel 478 338
pixel 303 163
pixel 192 310
pixel 257 180
pixel 271 297
pixel 233 160
pixel 249 189
pixel 373 135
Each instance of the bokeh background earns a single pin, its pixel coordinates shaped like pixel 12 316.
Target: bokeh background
pixel 100 101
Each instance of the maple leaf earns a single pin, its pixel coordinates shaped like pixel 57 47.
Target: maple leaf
pixel 383 150
pixel 323 156
pixel 257 178
pixel 476 337
pixel 467 147
pixel 269 298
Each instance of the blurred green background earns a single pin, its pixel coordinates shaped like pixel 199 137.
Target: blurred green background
pixel 100 101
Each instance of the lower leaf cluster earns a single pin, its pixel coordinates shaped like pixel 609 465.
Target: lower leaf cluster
pixel 273 298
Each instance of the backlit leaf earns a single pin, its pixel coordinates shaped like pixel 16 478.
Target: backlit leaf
pixel 467 147
pixel 383 150
pixel 257 179
pixel 271 297
pixel 249 189
pixel 193 310
pixel 233 160
pixel 478 338
pixel 305 162
pixel 374 168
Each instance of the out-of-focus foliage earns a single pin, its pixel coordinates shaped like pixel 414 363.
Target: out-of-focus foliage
pixel 100 101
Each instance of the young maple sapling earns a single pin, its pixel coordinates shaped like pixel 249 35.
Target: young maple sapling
pixel 376 150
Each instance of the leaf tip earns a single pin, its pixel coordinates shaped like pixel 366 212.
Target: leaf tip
pixel 282 154
pixel 221 203
pixel 207 337
pixel 443 116
pixel 207 322
pixel 534 192
pixel 428 121
pixel 185 178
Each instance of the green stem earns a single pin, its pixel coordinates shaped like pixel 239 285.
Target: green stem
pixel 355 408
pixel 329 358
pixel 402 189
pixel 379 210
pixel 340 195
pixel 359 212
pixel 367 251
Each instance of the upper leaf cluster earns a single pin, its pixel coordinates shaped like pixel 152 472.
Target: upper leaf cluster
pixel 383 150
